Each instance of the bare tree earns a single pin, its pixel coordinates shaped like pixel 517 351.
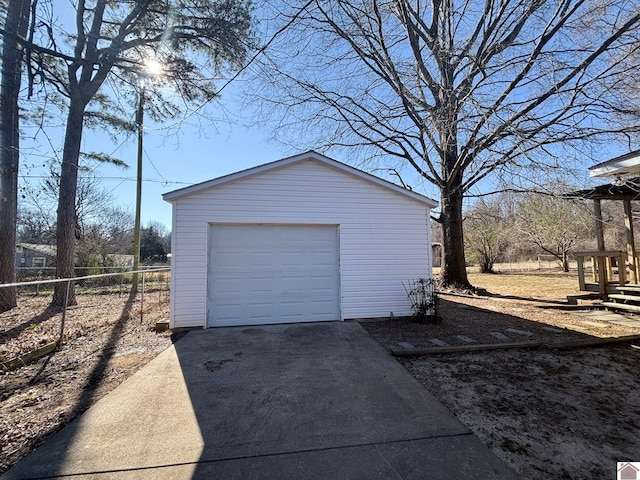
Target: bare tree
pixel 94 203
pixel 195 41
pixel 555 224
pixel 100 226
pixel 459 91
pixel 16 20
pixel 32 227
pixel 488 229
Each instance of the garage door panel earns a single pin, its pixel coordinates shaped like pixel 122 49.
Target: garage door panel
pixel 291 259
pixel 272 274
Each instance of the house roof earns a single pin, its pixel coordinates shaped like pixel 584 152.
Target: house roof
pixel 39 247
pixel 627 164
pixel 285 162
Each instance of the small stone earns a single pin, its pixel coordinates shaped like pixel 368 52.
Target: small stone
pixel 499 336
pixel 519 332
pixel 465 339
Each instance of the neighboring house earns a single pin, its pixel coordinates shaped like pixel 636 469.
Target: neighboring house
pixel 33 255
pixel 305 238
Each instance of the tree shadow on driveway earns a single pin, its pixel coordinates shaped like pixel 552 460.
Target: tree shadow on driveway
pixel 315 401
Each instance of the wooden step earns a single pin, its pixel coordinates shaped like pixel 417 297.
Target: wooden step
pixel 573 299
pixel 629 288
pixel 624 298
pixel 621 306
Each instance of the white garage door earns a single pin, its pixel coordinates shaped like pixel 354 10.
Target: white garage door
pixel 261 274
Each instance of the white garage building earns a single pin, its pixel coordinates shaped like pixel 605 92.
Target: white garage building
pixel 301 239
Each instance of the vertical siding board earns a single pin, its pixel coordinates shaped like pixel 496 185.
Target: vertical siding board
pixel 384 236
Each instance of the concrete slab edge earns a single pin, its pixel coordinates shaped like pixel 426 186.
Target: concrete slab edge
pixel 591 342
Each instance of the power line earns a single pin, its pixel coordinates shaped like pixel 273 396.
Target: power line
pixel 153 180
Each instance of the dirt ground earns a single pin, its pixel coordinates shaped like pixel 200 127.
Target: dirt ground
pixel 568 414
pixel 105 342
pixel 550 414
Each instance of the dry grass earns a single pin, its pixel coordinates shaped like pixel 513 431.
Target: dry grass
pixel 552 285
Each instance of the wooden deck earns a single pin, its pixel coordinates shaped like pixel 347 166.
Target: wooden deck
pixel 609 270
pixel 613 278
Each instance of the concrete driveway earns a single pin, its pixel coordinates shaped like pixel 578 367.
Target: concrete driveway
pixel 303 401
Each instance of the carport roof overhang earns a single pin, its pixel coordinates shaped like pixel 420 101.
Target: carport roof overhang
pixel 624 165
pixel 624 190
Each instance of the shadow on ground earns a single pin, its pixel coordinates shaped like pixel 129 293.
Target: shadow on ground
pixel 310 401
pixel 89 390
pixel 48 313
pixel 462 324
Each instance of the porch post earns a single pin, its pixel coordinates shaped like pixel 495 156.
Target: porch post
pixel 602 275
pixel 631 244
pixel 597 212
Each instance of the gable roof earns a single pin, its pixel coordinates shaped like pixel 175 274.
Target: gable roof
pixel 288 161
pixel 40 248
pixel 627 164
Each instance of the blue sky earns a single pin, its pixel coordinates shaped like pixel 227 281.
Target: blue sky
pixel 173 162
pixel 199 152
pixel 203 151
pixel 196 154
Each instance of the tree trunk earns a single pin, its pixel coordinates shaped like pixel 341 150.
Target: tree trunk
pixel 16 23
pixel 66 220
pixel 565 261
pixel 486 264
pixel 453 272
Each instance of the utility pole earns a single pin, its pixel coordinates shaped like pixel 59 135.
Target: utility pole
pixel 136 227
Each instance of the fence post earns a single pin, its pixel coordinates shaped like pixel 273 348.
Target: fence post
pixel 64 312
pixel 142 300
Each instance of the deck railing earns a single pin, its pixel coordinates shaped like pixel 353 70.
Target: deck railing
pixel 609 269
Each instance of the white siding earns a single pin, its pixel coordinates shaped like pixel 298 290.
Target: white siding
pixel 384 236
